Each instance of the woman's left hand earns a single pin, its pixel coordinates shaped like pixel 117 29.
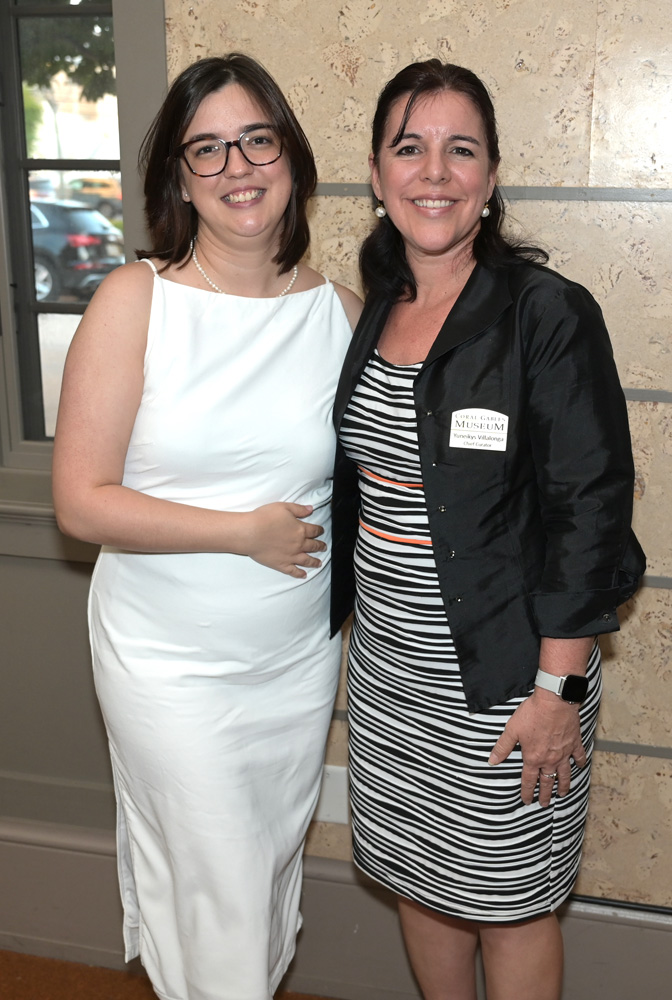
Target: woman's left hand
pixel 549 735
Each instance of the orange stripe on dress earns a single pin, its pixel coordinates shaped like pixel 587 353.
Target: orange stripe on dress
pixel 392 482
pixel 395 538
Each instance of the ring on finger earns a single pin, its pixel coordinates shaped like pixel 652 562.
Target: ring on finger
pixel 553 774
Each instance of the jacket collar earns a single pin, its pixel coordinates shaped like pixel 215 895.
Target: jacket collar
pixel 482 300
pixel 484 297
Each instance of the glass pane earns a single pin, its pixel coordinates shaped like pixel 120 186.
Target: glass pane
pixel 69 87
pixel 43 184
pixel 74 244
pixel 100 189
pixel 55 332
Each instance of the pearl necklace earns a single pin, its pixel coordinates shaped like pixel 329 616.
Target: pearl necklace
pixel 295 274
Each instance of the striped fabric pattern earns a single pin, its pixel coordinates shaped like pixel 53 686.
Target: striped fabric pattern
pixel 431 819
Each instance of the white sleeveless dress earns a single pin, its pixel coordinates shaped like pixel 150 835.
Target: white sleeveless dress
pixel 216 675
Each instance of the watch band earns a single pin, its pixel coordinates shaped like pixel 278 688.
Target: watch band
pixel 572 688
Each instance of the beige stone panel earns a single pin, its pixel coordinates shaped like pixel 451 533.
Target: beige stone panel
pixel 620 252
pixel 637 672
pixel 337 744
pixel 338 226
pixel 330 840
pixel 651 429
pixel 628 842
pixel 632 120
pixel 332 60
pixel 342 695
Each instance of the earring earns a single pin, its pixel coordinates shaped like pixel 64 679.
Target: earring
pixel 185 196
pixel 486 211
pixel 380 210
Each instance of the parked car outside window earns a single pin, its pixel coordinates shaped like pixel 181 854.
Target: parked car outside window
pixel 74 247
pixel 42 187
pixel 103 193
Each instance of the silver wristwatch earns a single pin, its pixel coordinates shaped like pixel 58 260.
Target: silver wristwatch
pixel 572 688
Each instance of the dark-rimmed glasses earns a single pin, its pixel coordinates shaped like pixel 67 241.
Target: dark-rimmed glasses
pixel 208 155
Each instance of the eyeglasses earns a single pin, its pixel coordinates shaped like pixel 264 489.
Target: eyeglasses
pixel 209 155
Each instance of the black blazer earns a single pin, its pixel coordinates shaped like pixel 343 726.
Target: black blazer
pixel 529 503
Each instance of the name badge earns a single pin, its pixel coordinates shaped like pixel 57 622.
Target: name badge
pixel 476 428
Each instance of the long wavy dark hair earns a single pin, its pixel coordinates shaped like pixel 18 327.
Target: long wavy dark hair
pixel 382 258
pixel 172 222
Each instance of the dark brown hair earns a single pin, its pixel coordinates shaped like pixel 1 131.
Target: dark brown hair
pixel 382 258
pixel 172 222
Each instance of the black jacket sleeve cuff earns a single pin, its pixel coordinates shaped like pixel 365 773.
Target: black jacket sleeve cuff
pixel 571 616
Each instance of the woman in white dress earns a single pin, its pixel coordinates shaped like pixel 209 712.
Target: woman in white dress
pixel 195 444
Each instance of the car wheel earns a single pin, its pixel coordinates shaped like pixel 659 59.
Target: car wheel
pixel 106 209
pixel 47 281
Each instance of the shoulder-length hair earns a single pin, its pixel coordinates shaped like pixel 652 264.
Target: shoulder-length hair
pixel 382 259
pixel 172 222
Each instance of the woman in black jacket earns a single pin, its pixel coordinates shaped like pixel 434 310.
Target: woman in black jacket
pixel 480 410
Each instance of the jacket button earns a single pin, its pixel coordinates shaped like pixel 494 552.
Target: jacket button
pixel 428 413
pixel 433 465
pixel 606 617
pixel 451 554
pixel 458 600
pixel 441 509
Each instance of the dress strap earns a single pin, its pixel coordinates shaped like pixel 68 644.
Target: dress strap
pixel 146 260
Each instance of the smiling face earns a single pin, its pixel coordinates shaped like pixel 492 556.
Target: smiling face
pixel 245 200
pixel 435 181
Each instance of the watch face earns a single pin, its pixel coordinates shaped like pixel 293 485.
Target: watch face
pixel 575 688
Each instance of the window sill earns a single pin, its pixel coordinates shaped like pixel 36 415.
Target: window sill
pixel 28 526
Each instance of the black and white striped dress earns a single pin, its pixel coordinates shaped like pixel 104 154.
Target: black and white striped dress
pixel 431 819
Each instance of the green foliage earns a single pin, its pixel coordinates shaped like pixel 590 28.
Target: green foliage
pixel 32 110
pixel 82 47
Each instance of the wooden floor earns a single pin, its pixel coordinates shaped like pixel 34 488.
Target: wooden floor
pixel 24 977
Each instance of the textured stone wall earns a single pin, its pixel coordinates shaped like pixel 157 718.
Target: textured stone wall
pixel 583 92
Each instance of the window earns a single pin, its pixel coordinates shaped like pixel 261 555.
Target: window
pixel 66 140
pixel 63 130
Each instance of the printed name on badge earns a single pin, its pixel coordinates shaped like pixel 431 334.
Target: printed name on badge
pixel 476 428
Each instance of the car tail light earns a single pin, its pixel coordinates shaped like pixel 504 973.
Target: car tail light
pixel 83 240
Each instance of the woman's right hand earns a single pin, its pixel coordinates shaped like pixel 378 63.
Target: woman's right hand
pixel 282 540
